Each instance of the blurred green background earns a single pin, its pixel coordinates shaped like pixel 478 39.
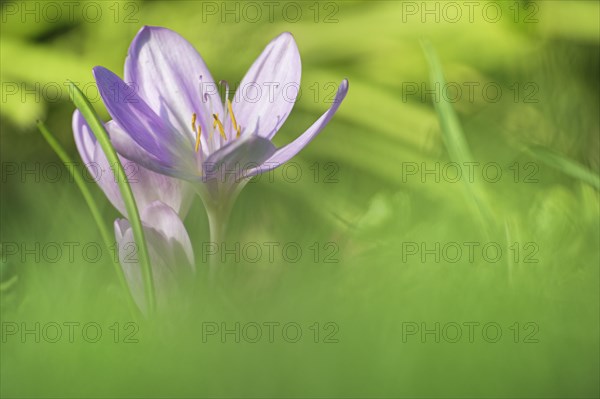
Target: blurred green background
pixel 365 208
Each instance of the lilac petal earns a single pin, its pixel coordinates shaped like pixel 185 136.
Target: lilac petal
pixel 285 153
pixel 128 148
pixel 171 76
pixel 168 149
pixel 170 251
pixel 162 218
pixel 121 227
pixel 84 140
pixel 149 186
pixel 95 161
pixel 237 158
pixel 129 261
pixel 146 185
pixel 269 89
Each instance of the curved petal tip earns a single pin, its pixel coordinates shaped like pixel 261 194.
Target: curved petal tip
pixel 342 91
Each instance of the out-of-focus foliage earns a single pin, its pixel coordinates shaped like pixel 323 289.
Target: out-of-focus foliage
pixel 543 132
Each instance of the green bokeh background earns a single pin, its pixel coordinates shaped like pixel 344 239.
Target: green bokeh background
pixel 370 212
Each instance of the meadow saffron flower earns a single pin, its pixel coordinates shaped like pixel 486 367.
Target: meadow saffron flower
pixel 162 202
pixel 169 118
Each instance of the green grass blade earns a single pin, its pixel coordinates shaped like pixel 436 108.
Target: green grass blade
pixel 91 203
pixel 454 137
pixel 91 117
pixel 565 165
pixel 452 133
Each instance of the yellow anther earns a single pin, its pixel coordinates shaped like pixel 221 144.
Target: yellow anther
pixel 197 130
pixel 218 123
pixel 198 136
pixel 194 116
pixel 233 121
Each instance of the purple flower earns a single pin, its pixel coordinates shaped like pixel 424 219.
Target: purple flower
pixel 170 119
pixel 162 202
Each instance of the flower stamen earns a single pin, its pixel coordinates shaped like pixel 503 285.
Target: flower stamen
pixel 233 121
pixel 218 123
pixel 198 135
pixel 197 130
pixel 194 116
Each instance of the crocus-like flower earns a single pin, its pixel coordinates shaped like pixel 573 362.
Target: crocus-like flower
pixel 162 202
pixel 169 118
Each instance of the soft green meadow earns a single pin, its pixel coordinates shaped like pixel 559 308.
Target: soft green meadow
pixel 440 238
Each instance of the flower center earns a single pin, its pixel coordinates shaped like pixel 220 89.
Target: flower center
pixel 216 124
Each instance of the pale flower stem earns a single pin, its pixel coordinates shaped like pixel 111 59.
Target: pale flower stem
pixel 218 210
pixel 218 216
